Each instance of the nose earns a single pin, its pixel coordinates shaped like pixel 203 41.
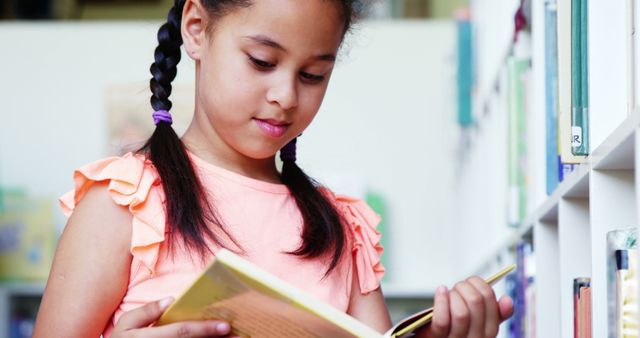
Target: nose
pixel 284 93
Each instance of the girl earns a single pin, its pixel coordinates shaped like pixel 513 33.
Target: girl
pixel 143 226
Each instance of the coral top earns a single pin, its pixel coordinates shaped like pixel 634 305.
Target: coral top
pixel 261 216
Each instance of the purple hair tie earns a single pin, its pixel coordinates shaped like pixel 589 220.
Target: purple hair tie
pixel 162 115
pixel 288 152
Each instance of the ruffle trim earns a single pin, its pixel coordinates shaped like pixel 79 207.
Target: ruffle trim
pixel 133 182
pixel 366 247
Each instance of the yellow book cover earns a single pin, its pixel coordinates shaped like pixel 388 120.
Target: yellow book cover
pixel 258 304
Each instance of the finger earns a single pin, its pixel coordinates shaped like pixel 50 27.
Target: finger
pixel 441 322
pixel 144 315
pixel 491 313
pixel 475 304
pixel 459 315
pixel 196 329
pixel 505 304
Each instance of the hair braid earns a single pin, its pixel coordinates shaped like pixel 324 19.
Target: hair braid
pixel 188 209
pixel 167 56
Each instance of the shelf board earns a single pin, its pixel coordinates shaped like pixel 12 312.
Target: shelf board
pixel 22 289
pixel 395 291
pixel 617 151
pixel 575 185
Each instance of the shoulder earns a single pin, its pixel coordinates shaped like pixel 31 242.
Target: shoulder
pixel 98 222
pixel 131 184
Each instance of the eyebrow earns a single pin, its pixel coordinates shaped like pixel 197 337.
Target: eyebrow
pixel 266 41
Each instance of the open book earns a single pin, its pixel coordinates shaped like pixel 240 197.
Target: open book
pixel 258 304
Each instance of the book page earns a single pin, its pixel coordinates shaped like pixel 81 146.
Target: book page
pixel 252 310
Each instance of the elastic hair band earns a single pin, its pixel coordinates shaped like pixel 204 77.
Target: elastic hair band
pixel 162 115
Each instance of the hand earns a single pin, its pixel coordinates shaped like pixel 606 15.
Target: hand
pixel 469 310
pixel 135 323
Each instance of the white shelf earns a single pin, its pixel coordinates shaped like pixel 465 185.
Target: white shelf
pixel 22 289
pixel 395 291
pixel 569 227
pixel 617 152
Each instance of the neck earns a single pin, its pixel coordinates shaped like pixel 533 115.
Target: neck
pixel 201 140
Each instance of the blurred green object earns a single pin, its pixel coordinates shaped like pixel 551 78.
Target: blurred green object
pixel 7 194
pixel 378 204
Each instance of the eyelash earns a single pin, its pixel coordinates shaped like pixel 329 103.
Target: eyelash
pixel 264 66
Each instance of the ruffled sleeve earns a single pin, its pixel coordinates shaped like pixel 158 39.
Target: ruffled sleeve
pixel 133 182
pixel 365 240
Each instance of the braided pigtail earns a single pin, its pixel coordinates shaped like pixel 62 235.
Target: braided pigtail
pixel 187 204
pixel 323 230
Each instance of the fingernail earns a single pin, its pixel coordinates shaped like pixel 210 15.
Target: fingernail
pixel 165 302
pixel 441 290
pixel 223 328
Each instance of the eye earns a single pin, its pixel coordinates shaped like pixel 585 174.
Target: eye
pixel 261 64
pixel 311 77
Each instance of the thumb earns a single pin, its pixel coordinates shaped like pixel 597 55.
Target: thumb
pixel 505 304
pixel 144 315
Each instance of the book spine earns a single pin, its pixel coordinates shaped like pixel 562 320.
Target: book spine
pixel 577 139
pixel 622 269
pixel 518 70
pixel 520 287
pixel 565 84
pixel 580 311
pixel 579 79
pixel 465 71
pixel 551 96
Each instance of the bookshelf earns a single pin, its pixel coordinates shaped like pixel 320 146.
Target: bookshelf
pixel 568 227
pixel 18 306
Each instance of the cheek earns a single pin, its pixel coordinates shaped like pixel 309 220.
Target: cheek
pixel 233 92
pixel 308 107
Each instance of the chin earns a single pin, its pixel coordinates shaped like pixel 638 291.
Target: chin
pixel 259 155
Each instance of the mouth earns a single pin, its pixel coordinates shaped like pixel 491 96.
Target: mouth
pixel 271 127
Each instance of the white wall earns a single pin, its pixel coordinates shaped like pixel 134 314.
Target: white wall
pixel 387 122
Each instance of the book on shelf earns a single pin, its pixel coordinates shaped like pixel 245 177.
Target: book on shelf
pixel 22 316
pixel 553 163
pixel 518 73
pixel 579 79
pixel 258 304
pixel 521 288
pixel 464 74
pixel 622 283
pixel 565 83
pixel 556 170
pixel 582 307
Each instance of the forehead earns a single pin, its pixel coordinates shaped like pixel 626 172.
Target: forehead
pixel 313 26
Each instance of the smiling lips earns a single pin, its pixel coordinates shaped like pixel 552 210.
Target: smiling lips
pixel 272 127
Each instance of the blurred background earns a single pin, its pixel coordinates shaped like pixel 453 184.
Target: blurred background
pixel 155 9
pixel 435 115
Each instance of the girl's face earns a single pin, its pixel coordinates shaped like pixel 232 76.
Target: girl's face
pixel 262 72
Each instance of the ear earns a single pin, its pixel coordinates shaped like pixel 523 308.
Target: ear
pixel 192 28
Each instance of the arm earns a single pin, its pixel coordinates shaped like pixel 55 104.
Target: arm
pixel 370 308
pixel 90 270
pixel 90 275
